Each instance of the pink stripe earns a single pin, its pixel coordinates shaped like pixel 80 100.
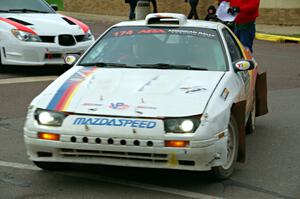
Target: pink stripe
pixel 83 26
pixel 18 25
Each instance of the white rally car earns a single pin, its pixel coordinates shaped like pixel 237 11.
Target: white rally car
pixel 165 92
pixel 32 33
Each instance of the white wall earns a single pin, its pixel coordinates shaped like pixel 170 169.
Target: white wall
pixel 279 4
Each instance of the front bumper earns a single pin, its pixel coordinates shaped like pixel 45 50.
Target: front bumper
pixel 15 52
pixel 200 155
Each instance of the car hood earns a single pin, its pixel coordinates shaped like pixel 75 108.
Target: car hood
pixel 44 24
pixel 131 92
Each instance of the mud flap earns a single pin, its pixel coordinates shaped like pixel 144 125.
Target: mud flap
pixel 238 110
pixel 261 94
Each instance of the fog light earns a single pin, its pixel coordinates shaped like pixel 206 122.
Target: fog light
pixel 176 143
pixel 49 136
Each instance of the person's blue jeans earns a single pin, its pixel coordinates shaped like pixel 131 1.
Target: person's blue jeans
pixel 246 34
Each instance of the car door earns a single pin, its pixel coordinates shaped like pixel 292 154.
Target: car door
pixel 236 53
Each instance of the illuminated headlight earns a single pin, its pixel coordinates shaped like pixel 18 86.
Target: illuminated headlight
pixel 88 36
pixel 49 118
pixel 25 36
pixel 181 125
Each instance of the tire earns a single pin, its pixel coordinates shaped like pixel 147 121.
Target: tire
pixel 250 126
pixel 225 171
pixel 51 166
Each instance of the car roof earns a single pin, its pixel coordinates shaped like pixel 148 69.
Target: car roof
pixel 183 22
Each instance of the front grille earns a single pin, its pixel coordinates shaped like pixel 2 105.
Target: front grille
pixel 79 38
pixel 48 39
pixel 149 157
pixel 66 40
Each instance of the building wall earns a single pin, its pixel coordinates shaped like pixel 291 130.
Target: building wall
pixel 285 4
pixel 283 12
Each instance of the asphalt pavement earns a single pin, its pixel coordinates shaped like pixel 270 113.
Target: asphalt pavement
pixel 273 153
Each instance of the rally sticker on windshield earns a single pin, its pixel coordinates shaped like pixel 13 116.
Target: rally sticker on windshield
pixel 199 32
pixel 115 122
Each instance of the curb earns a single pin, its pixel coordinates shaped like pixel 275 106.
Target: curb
pixel 277 38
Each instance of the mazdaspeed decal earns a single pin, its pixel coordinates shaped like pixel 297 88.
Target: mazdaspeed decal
pixel 66 92
pixel 144 124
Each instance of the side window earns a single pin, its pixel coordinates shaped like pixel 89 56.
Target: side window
pixel 233 47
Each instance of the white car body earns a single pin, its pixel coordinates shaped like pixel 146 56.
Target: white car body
pixel 125 109
pixel 49 27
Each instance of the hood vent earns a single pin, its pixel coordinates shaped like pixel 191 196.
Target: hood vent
pixel 20 21
pixel 68 21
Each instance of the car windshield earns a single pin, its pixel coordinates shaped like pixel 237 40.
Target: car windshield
pixel 25 6
pixel 158 47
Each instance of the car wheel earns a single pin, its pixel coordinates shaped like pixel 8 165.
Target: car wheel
pixel 51 166
pixel 250 126
pixel 226 170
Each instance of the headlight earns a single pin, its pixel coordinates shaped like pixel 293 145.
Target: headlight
pixel 182 125
pixel 49 118
pixel 88 36
pixel 25 36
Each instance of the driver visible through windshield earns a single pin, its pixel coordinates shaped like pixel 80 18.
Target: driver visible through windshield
pixel 158 47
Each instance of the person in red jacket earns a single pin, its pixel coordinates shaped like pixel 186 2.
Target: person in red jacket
pixel 247 11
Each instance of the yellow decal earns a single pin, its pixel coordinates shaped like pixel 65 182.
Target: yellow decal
pixel 172 160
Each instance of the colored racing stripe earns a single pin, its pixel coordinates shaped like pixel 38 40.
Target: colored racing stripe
pixel 18 25
pixel 83 26
pixel 65 94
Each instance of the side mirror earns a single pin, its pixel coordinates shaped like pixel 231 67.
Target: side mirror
pixel 243 65
pixel 54 7
pixel 71 59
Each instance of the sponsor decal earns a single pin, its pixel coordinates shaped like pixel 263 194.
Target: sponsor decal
pixel 146 31
pixel 243 65
pixel 63 97
pixel 135 32
pixel 118 106
pixel 115 122
pixel 93 109
pixel 92 104
pixel 193 89
pixel 146 107
pixel 148 83
pixel 191 32
pixel 138 108
pixel 225 93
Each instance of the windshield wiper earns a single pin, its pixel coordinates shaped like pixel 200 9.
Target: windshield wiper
pixel 27 10
pixel 170 66
pixel 107 65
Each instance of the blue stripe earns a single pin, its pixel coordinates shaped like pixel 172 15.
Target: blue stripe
pixel 65 86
